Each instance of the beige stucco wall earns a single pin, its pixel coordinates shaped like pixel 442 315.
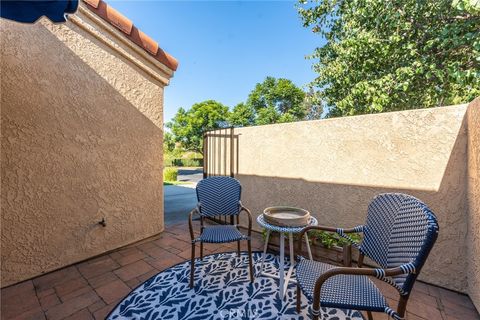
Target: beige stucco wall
pixel 81 124
pixel 473 239
pixel 335 167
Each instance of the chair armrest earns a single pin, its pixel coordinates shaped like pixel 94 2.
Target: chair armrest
pixel 375 272
pixel 340 231
pixel 249 214
pixel 356 229
pixel 190 226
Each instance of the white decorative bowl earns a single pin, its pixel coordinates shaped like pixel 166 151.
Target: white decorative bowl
pixel 284 216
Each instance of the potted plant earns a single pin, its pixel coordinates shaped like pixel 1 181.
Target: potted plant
pixel 325 246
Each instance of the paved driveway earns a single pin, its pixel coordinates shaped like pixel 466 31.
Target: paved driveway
pixel 190 174
pixel 179 200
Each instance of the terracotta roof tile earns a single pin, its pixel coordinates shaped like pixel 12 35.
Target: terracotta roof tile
pixel 115 18
pixel 144 41
pixel 93 3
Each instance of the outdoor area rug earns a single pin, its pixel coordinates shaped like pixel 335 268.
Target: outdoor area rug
pixel 222 291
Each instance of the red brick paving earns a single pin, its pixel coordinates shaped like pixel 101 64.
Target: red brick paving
pixel 96 306
pixel 91 289
pixel 69 307
pixel 133 270
pixel 113 291
pixel 49 301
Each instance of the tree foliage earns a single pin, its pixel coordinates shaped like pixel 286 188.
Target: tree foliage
pixel 242 115
pixel 394 55
pixel 188 126
pixel 276 100
pixel 168 142
pixel 312 103
pixel 272 101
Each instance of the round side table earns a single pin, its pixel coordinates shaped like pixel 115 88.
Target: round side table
pixel 284 280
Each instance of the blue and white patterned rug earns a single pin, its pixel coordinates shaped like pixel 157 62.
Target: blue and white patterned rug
pixel 222 291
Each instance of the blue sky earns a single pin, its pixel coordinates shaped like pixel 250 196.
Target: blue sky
pixel 224 47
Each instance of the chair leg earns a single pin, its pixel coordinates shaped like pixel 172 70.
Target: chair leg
pixel 299 299
pixel 201 250
pixel 402 306
pixel 250 261
pixel 316 305
pixel 192 265
pixel 369 314
pixel 238 248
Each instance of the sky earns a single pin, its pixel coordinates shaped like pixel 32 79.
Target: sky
pixel 224 48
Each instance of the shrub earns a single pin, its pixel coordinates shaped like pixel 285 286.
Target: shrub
pixel 327 239
pixel 192 162
pixel 191 155
pixel 170 174
pixel 176 162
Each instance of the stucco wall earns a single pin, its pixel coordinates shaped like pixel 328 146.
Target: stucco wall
pixel 473 240
pixel 334 167
pixel 81 124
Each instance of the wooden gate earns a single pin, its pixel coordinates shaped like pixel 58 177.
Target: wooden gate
pixel 220 148
pixel 220 158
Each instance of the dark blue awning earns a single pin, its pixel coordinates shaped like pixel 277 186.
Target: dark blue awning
pixel 30 11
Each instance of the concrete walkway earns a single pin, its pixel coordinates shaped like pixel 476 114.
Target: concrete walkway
pixel 190 174
pixel 179 200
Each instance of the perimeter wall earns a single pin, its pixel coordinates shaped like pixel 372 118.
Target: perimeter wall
pixel 334 167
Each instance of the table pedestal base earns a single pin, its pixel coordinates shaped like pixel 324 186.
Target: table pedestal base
pixel 283 280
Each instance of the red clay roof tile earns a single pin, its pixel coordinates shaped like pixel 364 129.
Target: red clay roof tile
pixel 144 41
pixel 93 3
pixel 115 18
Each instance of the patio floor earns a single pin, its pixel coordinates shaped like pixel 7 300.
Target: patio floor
pixel 89 290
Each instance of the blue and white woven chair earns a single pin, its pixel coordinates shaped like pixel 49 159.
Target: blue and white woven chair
pixel 219 196
pixel 398 235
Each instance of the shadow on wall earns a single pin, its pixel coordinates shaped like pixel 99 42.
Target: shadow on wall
pixel 345 205
pixel 74 150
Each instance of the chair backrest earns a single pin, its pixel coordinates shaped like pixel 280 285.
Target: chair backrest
pixel 399 229
pixel 219 196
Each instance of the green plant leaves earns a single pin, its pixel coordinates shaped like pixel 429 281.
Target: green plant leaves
pixel 188 126
pixel 329 239
pixel 396 55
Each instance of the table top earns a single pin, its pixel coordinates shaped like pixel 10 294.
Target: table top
pixel 261 221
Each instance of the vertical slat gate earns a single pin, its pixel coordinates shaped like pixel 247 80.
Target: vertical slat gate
pixel 219 153
pixel 205 155
pixel 219 157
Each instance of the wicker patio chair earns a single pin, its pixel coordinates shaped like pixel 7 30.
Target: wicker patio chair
pixel 398 235
pixel 219 196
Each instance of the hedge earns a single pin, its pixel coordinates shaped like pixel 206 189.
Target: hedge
pixel 183 162
pixel 170 174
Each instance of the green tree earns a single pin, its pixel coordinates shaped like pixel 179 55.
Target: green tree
pixel 394 55
pixel 267 115
pixel 272 101
pixel 313 105
pixel 188 126
pixel 168 142
pixel 242 115
pixel 276 100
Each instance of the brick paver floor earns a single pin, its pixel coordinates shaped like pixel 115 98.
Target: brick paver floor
pixel 90 289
